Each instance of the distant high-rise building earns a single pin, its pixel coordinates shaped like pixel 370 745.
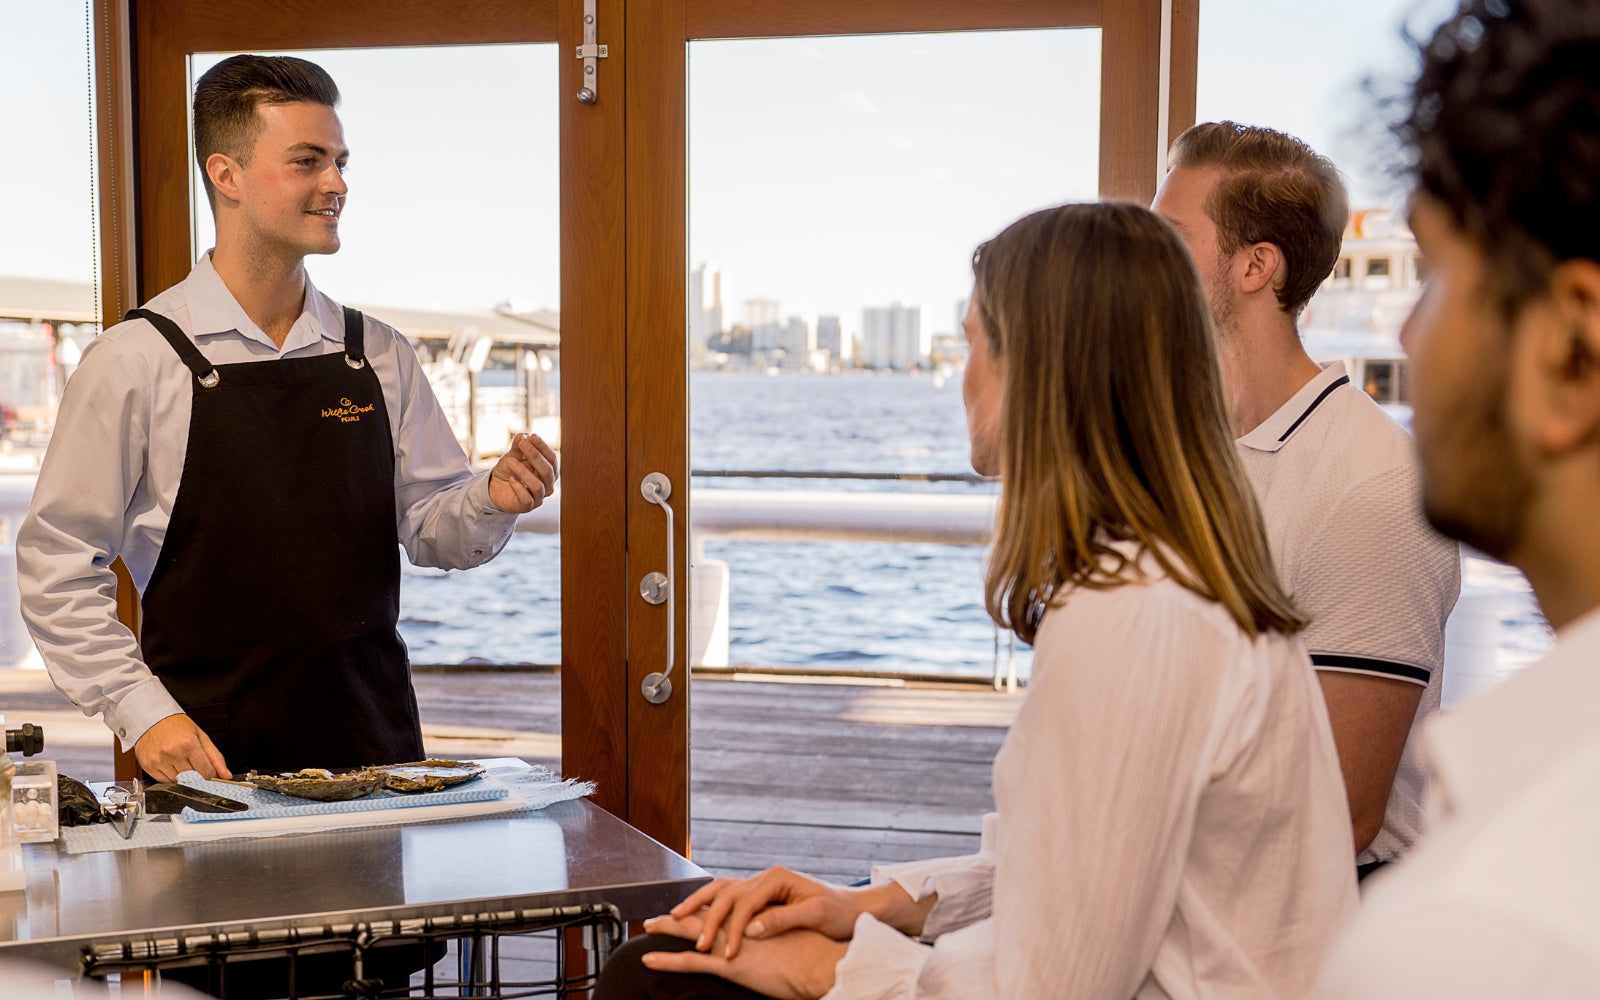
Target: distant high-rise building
pixel 766 337
pixel 891 337
pixel 759 312
pixel 831 338
pixel 799 339
pixel 705 303
pixel 961 316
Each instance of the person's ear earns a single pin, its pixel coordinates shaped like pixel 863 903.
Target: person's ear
pixel 1263 264
pixel 224 171
pixel 1566 328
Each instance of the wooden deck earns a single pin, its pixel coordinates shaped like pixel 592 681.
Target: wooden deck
pixel 825 777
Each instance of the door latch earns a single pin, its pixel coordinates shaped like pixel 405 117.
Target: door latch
pixel 591 52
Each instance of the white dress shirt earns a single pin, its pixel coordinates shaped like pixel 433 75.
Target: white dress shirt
pixel 1171 822
pixel 1503 897
pixel 111 475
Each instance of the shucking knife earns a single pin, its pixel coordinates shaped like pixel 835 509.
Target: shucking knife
pixel 170 797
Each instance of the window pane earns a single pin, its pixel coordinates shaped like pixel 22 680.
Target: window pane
pixel 838 187
pixel 451 235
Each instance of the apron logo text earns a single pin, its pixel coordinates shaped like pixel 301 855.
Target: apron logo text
pixel 348 412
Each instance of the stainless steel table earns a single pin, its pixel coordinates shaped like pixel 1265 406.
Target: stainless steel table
pixel 448 874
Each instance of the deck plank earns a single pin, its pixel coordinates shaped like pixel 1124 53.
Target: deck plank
pixel 824 778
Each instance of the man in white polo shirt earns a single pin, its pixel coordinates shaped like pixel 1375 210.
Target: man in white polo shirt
pixel 1337 479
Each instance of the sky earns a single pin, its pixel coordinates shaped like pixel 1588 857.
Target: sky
pixel 827 173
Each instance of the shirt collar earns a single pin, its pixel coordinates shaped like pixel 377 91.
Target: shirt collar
pixel 1275 431
pixel 213 311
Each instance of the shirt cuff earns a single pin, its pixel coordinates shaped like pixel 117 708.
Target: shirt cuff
pixel 881 964
pixel 1372 666
pixel 139 708
pixel 964 885
pixel 478 497
pixel 965 897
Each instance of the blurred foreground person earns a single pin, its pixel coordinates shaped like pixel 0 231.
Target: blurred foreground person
pixel 1170 821
pixel 1504 130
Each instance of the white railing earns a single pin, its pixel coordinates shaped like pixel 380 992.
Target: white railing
pixel 821 515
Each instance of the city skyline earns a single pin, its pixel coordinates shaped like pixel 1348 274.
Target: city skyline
pixel 886 336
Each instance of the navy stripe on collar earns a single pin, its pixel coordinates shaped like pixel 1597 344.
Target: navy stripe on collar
pixel 1336 383
pixel 1371 665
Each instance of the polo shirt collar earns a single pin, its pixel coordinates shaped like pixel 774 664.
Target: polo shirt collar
pixel 1275 431
pixel 213 311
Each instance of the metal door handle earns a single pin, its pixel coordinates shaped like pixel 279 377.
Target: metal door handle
pixel 657 587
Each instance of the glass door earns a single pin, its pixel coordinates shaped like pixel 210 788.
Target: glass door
pixel 494 199
pixel 818 146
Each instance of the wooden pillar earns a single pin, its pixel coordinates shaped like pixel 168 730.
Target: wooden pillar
pixel 594 404
pixel 658 425
pixel 118 236
pixel 1182 67
pixel 1147 91
pixel 113 85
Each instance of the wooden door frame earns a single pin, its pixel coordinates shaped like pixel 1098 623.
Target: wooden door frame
pixel 1147 97
pixel 142 104
pixel 624 234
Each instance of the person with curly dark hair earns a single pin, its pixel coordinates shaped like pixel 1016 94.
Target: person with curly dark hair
pixel 1503 127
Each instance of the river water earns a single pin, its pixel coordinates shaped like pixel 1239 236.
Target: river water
pixel 879 606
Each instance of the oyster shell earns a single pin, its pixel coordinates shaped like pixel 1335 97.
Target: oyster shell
pixel 320 784
pixel 429 775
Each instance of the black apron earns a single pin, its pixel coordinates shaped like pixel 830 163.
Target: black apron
pixel 271 612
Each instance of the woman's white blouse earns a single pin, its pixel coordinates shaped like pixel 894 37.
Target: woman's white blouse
pixel 1170 821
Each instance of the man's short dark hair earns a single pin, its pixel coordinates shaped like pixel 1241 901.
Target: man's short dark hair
pixel 226 98
pixel 1504 128
pixel 1276 190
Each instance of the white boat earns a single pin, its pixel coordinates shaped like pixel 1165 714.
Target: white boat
pixel 1355 316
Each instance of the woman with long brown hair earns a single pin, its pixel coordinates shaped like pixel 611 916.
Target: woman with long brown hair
pixel 1170 815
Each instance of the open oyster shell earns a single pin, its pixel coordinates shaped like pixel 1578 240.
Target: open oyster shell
pixel 429 775
pixel 322 785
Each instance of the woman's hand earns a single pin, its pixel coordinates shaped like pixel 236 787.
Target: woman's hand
pixel 766 905
pixel 798 965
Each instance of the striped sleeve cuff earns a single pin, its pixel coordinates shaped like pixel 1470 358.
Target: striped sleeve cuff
pixel 1372 665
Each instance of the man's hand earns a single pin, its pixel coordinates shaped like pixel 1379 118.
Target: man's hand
pixel 769 904
pixel 524 476
pixel 176 744
pixel 798 965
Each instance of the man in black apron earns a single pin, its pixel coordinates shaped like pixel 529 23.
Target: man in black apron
pixel 265 535
pixel 307 669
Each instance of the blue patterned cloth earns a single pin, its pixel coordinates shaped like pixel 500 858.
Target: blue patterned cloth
pixel 276 805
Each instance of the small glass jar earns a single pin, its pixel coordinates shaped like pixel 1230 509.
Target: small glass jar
pixel 35 815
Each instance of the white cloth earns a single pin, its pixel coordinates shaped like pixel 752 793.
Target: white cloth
pixel 1171 822
pixel 111 475
pixel 1341 496
pixel 1501 899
